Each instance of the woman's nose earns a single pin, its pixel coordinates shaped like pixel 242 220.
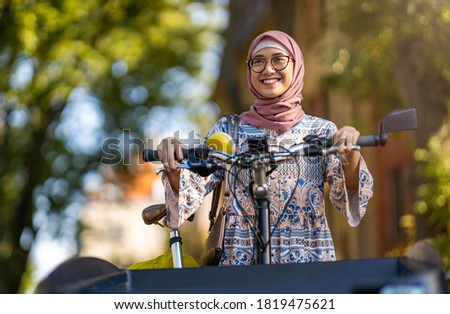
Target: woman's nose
pixel 269 68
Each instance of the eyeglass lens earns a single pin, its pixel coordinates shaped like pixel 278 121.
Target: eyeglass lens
pixel 278 63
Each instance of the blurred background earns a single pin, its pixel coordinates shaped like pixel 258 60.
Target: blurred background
pixel 86 85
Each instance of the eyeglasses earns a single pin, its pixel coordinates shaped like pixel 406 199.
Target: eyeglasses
pixel 279 63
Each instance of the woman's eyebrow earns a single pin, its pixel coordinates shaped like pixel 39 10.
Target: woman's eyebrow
pixel 273 55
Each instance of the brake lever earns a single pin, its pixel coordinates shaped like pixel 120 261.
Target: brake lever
pixel 203 168
pixel 334 149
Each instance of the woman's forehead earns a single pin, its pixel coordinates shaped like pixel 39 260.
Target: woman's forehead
pixel 269 52
pixel 268 42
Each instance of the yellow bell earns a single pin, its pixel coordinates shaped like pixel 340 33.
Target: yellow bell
pixel 221 142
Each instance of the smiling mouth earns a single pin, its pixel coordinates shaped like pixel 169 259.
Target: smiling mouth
pixel 270 81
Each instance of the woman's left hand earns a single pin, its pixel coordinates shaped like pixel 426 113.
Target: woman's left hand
pixel 345 138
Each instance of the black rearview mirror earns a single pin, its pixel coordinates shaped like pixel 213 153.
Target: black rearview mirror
pixel 399 120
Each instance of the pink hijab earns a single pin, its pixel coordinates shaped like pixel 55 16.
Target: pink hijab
pixel 283 112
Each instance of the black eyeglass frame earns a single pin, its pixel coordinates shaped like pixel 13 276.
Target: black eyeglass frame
pixel 249 62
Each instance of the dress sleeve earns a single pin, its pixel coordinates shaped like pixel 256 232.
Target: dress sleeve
pixel 352 203
pixel 181 204
pixel 193 189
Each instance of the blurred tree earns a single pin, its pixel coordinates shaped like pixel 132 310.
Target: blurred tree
pixel 434 195
pixel 397 55
pixel 73 73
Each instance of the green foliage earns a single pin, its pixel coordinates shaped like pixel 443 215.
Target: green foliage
pixel 434 196
pixel 383 35
pixel 362 67
pixel 397 55
pixel 110 57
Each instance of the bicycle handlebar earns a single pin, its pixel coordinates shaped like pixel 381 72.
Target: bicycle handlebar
pixel 313 146
pixel 398 120
pixel 205 160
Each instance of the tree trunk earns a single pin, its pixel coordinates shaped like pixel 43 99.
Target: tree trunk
pixel 15 265
pixel 245 20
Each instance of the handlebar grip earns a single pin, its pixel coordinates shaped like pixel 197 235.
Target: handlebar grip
pixel 372 140
pixel 193 154
pixel 150 155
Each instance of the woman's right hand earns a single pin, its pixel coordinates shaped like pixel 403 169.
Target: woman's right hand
pixel 170 153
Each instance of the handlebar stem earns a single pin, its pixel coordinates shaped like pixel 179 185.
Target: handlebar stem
pixel 261 196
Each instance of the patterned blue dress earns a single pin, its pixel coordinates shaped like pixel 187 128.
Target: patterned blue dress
pixel 298 226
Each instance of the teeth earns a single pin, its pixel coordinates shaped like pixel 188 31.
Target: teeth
pixel 269 81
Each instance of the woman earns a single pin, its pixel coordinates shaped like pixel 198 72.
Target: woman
pixel 299 228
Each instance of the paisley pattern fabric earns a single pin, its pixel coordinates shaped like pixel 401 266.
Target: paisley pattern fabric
pixel 298 225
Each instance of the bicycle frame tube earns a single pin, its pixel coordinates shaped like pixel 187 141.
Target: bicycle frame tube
pixel 175 245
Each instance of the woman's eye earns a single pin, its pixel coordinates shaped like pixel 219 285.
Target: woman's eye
pixel 278 60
